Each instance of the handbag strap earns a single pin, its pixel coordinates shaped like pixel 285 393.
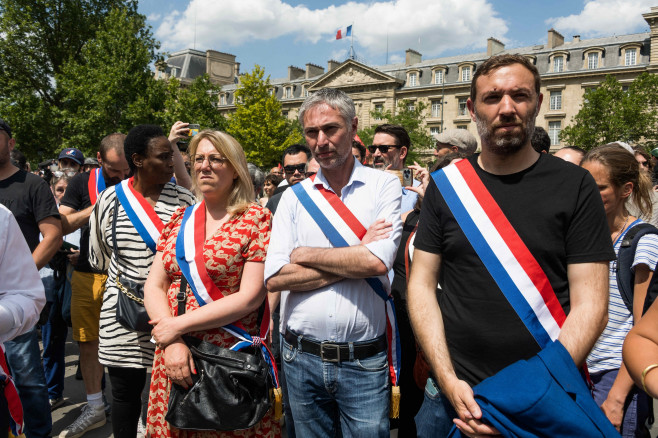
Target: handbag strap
pixel 114 232
pixel 182 295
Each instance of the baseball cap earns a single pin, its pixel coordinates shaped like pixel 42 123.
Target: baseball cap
pixel 654 152
pixel 72 154
pixel 461 138
pixel 92 161
pixel 4 126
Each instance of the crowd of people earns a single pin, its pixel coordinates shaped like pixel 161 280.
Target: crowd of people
pixel 347 290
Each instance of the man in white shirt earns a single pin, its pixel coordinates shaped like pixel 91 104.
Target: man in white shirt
pixel 21 293
pixel 333 322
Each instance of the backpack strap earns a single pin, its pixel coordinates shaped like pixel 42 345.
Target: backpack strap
pixel 625 256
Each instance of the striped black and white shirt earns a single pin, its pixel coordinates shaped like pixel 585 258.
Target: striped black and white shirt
pixel 119 347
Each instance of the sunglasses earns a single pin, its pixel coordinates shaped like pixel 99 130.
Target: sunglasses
pixel 383 148
pixel 291 169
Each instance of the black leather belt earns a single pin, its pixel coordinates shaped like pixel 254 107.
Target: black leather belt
pixel 337 351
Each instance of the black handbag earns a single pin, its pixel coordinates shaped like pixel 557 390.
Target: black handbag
pixel 231 389
pixel 130 313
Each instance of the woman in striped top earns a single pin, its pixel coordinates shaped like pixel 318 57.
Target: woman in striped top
pixel 144 203
pixel 618 176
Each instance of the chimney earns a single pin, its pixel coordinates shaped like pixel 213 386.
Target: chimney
pixel 332 65
pixel 236 70
pixel 313 70
pixel 555 39
pixel 295 73
pixel 576 38
pixel 412 57
pixel 494 46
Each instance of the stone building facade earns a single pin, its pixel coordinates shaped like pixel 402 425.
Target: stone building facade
pixel 567 68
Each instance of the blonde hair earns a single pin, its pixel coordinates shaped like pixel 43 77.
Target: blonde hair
pixel 242 192
pixel 623 168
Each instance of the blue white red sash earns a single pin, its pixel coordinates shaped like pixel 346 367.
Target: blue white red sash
pixel 189 255
pixel 96 184
pixel 509 261
pixel 11 395
pixel 343 229
pixel 140 212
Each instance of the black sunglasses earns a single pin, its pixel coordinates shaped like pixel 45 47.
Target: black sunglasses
pixel 291 169
pixel 383 148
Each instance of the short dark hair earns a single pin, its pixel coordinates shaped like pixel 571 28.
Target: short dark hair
pixel 273 178
pixel 137 142
pixel 499 61
pixel 396 131
pixel 295 149
pixel 540 140
pixel 360 147
pixel 112 141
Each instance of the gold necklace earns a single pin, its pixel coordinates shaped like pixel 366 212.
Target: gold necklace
pixel 620 231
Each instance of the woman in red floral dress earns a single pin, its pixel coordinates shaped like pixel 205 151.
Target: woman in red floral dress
pixel 237 232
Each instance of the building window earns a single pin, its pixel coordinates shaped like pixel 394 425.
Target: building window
pixel 592 60
pixel 554 129
pixel 438 76
pixel 222 99
pixel 462 109
pixel 461 127
pixel 411 107
pixel 466 73
pixel 558 64
pixel 413 79
pixel 173 72
pixel 284 114
pixel 556 100
pixel 271 91
pixel 379 109
pixel 631 57
pixel 287 92
pixel 304 91
pixel 435 130
pixel 436 108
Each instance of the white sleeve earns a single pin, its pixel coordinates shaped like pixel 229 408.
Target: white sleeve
pixel 21 291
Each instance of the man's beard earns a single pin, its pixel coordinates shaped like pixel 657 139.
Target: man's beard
pixel 379 163
pixel 506 143
pixel 111 180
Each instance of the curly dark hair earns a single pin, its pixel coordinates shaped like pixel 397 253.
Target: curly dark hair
pixel 137 142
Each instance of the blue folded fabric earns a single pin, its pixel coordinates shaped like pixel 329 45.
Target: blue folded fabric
pixel 544 396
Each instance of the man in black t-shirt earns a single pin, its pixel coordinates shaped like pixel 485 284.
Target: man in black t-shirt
pixel 29 198
pixel 87 284
pixel 555 208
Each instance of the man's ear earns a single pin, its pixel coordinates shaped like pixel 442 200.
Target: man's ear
pixel 403 152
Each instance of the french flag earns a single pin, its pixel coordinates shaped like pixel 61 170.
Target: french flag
pixel 348 32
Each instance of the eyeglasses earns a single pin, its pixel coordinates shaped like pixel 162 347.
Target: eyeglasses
pixel 291 169
pixel 383 148
pixel 68 172
pixel 643 163
pixel 215 161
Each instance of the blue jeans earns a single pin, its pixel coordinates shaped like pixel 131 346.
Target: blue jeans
pixel 436 414
pixel 636 409
pixel 53 336
pixel 24 360
pixel 329 399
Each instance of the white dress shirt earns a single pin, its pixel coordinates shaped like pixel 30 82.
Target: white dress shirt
pixel 348 310
pixel 21 291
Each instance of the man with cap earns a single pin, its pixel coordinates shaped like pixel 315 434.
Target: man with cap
pixel 454 140
pixel 70 161
pixel 89 164
pixel 32 203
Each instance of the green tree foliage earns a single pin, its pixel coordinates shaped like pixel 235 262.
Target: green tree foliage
pixel 609 113
pixel 258 123
pixel 38 38
pixel 194 104
pixel 111 74
pixel 410 115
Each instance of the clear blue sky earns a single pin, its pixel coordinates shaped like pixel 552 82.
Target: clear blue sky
pixel 279 33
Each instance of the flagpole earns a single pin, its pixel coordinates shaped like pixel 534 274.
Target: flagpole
pixel 352 41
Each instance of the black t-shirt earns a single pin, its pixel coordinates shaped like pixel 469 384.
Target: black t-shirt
pixel 399 284
pixel 77 198
pixel 556 209
pixel 30 200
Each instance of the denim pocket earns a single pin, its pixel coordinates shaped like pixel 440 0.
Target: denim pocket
pixel 288 352
pixel 377 362
pixel 431 389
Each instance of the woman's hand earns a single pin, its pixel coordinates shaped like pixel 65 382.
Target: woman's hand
pixel 179 365
pixel 178 130
pixel 421 174
pixel 614 410
pixel 166 330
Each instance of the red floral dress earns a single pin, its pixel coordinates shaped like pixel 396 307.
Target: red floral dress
pixel 241 239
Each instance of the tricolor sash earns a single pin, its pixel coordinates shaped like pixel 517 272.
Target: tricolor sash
pixel 11 395
pixel 140 212
pixel 189 255
pixel 96 184
pixel 343 229
pixel 509 261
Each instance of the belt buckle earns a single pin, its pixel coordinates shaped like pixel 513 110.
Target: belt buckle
pixel 331 345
